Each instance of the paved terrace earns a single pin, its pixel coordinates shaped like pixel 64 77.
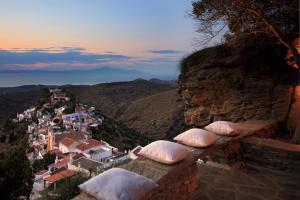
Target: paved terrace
pixel 189 180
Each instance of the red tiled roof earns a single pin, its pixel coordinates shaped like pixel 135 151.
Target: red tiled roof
pixel 67 141
pixel 60 176
pixel 80 109
pixel 72 135
pixel 62 162
pixel 29 154
pixel 40 172
pixel 89 144
pixel 59 94
pixel 78 155
pixel 57 152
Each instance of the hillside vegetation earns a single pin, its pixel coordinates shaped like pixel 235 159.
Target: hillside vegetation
pixel 154 115
pixel 15 102
pixel 146 106
pixel 152 108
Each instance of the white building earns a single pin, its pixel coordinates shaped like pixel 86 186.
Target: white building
pixel 68 145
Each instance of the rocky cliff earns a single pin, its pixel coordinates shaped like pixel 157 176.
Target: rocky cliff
pixel 223 83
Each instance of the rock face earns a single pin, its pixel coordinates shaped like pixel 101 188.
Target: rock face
pixel 227 90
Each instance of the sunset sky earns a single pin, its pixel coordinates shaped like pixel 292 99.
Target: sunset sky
pixel 150 36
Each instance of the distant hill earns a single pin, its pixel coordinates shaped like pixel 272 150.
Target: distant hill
pixel 12 102
pixel 153 107
pixel 25 88
pixel 114 98
pixel 166 82
pixel 80 77
pixel 157 116
pixel 149 107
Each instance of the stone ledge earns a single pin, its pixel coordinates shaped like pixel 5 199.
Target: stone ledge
pixel 249 128
pixel 271 154
pixel 271 143
pixel 179 181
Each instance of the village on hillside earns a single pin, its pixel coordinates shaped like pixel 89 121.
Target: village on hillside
pixel 62 129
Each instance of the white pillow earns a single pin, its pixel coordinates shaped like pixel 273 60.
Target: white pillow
pixel 196 137
pixel 224 128
pixel 164 152
pixel 118 184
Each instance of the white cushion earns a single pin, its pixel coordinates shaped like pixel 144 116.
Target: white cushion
pixel 224 128
pixel 118 184
pixel 164 152
pixel 196 137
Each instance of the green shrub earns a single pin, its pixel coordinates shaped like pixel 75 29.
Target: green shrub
pixel 204 55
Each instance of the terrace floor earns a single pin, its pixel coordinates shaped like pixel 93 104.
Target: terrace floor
pixel 248 183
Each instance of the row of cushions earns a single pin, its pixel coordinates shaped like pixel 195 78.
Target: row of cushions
pixel 118 184
pixel 203 138
pixel 169 152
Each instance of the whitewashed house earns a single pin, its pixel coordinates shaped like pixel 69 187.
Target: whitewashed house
pixel 32 127
pixel 67 145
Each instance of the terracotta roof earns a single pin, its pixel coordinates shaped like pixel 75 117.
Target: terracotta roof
pixel 78 156
pixel 57 152
pixel 40 172
pixel 72 135
pixel 67 141
pixel 62 162
pixel 60 176
pixel 89 144
pixel 59 94
pixel 80 109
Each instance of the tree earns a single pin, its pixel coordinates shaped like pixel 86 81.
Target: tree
pixel 16 177
pixel 67 189
pixel 277 19
pixel 43 163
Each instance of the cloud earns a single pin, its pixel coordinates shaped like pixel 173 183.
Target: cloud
pixel 165 51
pixel 70 58
pixel 67 56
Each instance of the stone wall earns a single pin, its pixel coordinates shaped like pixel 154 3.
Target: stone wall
pixel 181 180
pixel 235 93
pixel 180 183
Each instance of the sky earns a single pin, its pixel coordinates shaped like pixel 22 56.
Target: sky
pixel 150 36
